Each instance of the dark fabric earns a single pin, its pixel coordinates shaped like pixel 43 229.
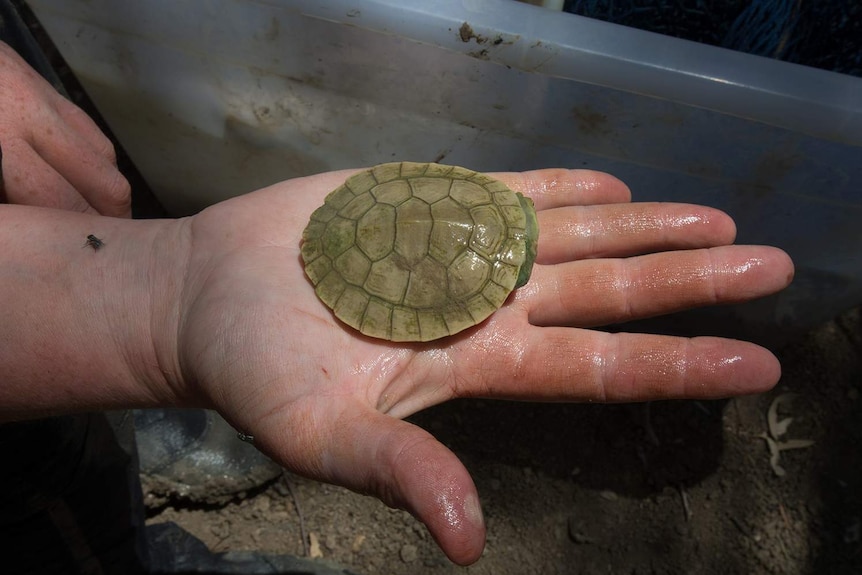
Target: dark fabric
pixel 14 32
pixel 70 499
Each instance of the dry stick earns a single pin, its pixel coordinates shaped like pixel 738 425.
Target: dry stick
pixel 298 508
pixel 685 506
pixel 784 515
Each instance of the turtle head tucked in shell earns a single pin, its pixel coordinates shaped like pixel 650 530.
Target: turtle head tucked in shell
pixel 415 252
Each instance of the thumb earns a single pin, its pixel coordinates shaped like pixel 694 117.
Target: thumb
pixel 407 468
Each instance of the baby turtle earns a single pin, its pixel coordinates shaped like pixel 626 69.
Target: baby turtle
pixel 415 252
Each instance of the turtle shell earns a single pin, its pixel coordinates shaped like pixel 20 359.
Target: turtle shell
pixel 415 252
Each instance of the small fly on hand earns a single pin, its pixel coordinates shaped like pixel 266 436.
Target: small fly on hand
pixel 93 242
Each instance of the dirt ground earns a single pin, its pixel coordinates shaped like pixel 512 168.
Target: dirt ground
pixel 668 487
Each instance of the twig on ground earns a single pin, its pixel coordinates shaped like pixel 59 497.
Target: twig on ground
pixel 298 507
pixel 685 505
pixel 777 428
pixel 784 515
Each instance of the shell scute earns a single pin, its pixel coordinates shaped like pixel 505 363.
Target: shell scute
pixel 341 197
pixel 388 280
pixel 386 172
pixel 469 194
pixel 405 324
pixel 412 231
pixel 350 307
pixel 489 231
pixel 467 275
pixel 424 288
pixel 377 319
pixel 429 190
pixel 377 239
pixel 338 237
pixel 393 193
pixel 357 207
pixel 451 232
pixel 353 266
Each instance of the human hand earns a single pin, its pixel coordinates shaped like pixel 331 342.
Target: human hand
pixel 255 342
pixel 53 154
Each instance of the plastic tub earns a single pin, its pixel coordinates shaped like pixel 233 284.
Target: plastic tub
pixel 213 99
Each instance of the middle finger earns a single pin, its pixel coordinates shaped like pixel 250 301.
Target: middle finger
pixel 618 230
pixel 597 292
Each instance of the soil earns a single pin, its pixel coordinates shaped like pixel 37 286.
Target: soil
pixel 665 487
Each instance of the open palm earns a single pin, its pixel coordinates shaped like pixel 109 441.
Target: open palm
pixel 328 402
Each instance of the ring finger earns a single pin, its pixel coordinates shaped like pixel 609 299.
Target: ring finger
pixel 598 292
pixel 619 230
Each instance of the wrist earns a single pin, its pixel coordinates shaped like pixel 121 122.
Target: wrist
pixel 159 276
pixel 86 326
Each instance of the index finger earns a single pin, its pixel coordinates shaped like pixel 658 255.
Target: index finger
pixel 558 187
pixel 90 170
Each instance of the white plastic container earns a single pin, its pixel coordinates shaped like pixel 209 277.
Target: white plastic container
pixel 216 98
